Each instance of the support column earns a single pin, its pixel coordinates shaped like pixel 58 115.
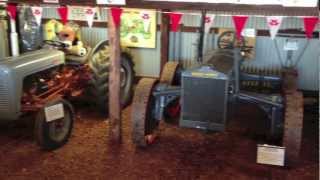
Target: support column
pixel 114 81
pixel 164 28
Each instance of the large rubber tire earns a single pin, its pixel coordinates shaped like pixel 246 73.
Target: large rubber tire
pixel 143 123
pixel 293 124
pixel 98 86
pixel 54 134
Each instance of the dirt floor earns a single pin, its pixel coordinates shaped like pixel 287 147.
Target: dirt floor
pixel 178 154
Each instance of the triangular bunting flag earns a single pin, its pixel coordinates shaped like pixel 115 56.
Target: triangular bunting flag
pixel 12 11
pixel 309 25
pixel 90 13
pixel 37 13
pixel 208 22
pixel 239 23
pixel 116 16
pixel 63 12
pixel 274 23
pixel 175 21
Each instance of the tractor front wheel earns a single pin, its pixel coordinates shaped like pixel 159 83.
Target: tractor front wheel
pixel 143 122
pixel 54 123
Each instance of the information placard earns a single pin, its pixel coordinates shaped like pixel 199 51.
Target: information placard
pixel 54 112
pixel 112 2
pixel 51 1
pixel 272 155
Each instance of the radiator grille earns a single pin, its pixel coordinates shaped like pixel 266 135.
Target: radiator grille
pixel 4 96
pixel 204 103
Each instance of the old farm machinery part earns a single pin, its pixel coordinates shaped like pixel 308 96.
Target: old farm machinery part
pixel 214 88
pixel 288 72
pixel 42 83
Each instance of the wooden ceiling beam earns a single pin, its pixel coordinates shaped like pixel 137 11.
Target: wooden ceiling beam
pixel 223 8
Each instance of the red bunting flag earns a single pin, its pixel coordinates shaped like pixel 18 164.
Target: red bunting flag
pixel 116 16
pixel 175 21
pixel 63 12
pixel 309 25
pixel 12 11
pixel 239 23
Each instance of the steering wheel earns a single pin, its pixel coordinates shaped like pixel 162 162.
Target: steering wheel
pixel 57 44
pixel 227 40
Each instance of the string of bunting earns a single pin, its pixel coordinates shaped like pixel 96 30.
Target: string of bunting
pixel 239 21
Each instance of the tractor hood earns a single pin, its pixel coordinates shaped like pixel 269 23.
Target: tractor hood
pixel 13 70
pixel 32 61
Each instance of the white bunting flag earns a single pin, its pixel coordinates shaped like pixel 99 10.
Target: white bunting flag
pixel 274 23
pixel 37 13
pixel 146 21
pixel 90 13
pixel 208 22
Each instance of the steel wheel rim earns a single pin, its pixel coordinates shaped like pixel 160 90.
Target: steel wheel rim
pixel 59 129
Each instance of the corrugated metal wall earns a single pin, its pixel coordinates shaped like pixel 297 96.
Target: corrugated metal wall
pixel 183 47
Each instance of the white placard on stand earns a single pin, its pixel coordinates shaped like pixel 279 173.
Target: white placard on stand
pixel 54 112
pixel 271 155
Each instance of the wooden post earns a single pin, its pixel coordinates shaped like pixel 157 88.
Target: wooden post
pixel 164 28
pixel 114 81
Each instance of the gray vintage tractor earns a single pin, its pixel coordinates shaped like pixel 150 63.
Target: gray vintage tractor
pixel 43 82
pixel 208 95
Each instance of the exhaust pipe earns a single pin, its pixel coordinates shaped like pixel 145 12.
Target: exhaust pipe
pixel 14 38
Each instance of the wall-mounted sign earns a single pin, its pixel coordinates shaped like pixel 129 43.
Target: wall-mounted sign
pixel 78 13
pixel 138 28
pixel 112 2
pixel 292 3
pixel 51 1
pixel 300 3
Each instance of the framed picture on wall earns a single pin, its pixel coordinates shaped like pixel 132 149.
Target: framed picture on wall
pixel 138 28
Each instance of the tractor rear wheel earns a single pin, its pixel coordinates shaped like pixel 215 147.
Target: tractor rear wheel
pixel 143 123
pixel 169 72
pixel 169 76
pixel 98 86
pixel 293 124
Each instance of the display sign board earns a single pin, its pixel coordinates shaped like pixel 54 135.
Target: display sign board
pixel 78 13
pixel 291 45
pixel 112 2
pixel 289 3
pixel 138 28
pixel 51 1
pixel 271 155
